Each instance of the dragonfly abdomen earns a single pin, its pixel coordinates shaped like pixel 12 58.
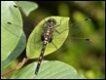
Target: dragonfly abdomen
pixel 41 57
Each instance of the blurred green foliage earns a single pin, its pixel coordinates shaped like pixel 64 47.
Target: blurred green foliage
pixel 86 56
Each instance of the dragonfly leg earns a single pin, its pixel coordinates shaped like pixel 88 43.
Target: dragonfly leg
pixel 58 24
pixel 61 31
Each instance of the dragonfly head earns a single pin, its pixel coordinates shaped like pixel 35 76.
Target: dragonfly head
pixel 51 22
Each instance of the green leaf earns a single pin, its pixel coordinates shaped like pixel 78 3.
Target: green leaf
pixel 27 6
pixel 19 48
pixel 34 44
pixel 11 30
pixel 48 70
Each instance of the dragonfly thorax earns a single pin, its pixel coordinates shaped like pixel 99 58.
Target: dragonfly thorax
pixel 46 37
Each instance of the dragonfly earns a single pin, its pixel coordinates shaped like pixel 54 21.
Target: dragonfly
pixel 49 28
pixel 46 37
